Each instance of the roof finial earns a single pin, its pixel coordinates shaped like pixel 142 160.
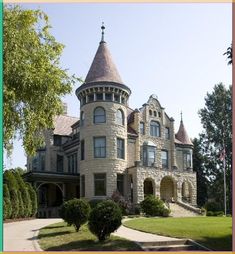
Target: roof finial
pixel 102 28
pixel 181 116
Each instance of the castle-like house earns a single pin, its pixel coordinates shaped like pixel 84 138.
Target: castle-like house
pixel 112 147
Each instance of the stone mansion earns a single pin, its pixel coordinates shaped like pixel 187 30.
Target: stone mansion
pixel 112 147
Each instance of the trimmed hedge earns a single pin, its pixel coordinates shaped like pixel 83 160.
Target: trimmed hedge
pixel 153 206
pixel 75 212
pixel 104 219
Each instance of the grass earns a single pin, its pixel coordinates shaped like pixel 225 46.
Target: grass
pixel 60 237
pixel 213 232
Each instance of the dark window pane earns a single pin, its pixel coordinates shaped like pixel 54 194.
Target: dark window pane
pixel 108 97
pixel 57 140
pixel 100 184
pixel 120 183
pixel 99 96
pixel 82 150
pixel 60 160
pixel 100 147
pixel 83 186
pixel 99 115
pixel 120 148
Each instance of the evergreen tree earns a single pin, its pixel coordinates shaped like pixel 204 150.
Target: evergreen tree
pixel 33 198
pixel 6 202
pixel 22 210
pixel 216 118
pixel 14 203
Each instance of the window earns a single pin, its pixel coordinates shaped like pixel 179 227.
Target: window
pixel 99 96
pixel 82 150
pixel 164 159
pixel 100 184
pixel 120 148
pixel 72 163
pixel 99 115
pixel 57 140
pixel 90 97
pixel 108 97
pixel 149 155
pixel 82 119
pixel 119 117
pixel 123 100
pixel 154 129
pixel 83 186
pixel 167 133
pixel 159 114
pixel 120 184
pixel 116 98
pixel 59 164
pixel 187 160
pixel 150 112
pixel 41 160
pixel 100 147
pixel 142 128
pixel 155 113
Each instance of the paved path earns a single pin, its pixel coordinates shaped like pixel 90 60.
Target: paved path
pixel 137 236
pixel 22 235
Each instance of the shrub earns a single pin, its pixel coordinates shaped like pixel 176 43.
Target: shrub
pixel 62 212
pixel 33 198
pixel 210 213
pixel 124 205
pixel 153 206
pixel 166 212
pixel 22 211
pixel 94 202
pixel 14 203
pixel 219 213
pixel 213 206
pixel 75 212
pixel 104 219
pixel 7 210
pixel 203 211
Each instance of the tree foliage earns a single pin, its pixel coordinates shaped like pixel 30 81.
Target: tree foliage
pixel 33 78
pixel 33 198
pixel 216 118
pixel 229 54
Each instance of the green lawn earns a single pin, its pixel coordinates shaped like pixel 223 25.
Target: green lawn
pixel 213 232
pixel 60 237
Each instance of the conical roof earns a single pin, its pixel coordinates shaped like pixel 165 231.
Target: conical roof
pixel 103 67
pixel 182 135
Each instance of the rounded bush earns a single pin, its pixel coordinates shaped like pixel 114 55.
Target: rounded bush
pixel 94 202
pixel 75 212
pixel 153 206
pixel 213 206
pixel 219 213
pixel 124 205
pixel 166 212
pixel 210 213
pixel 104 219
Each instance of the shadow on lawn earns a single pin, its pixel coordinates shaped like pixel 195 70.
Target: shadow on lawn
pixel 87 245
pixel 53 234
pixel 217 243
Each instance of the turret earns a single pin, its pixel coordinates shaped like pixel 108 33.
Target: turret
pixel 103 126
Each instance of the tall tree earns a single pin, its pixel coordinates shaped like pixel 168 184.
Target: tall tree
pixel 229 54
pixel 199 167
pixel 216 118
pixel 33 78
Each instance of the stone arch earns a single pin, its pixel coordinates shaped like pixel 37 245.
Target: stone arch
pixel 187 191
pixel 50 194
pixel 168 190
pixel 149 187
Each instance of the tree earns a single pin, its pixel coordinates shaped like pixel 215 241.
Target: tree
pixel 33 198
pixel 33 79
pixel 7 203
pixel 229 54
pixel 199 168
pixel 216 118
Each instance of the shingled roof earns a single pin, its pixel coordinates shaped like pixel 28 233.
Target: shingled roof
pixel 103 67
pixel 63 123
pixel 182 135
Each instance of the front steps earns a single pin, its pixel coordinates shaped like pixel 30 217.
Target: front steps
pixel 179 211
pixel 171 245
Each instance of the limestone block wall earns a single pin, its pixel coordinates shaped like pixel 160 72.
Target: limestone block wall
pixel 111 165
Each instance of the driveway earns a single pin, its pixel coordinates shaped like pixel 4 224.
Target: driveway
pixel 21 236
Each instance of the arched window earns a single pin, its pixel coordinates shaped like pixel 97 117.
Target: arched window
pixel 99 115
pixel 119 117
pixel 154 129
pixel 82 119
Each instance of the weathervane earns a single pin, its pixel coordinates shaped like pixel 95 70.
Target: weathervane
pixel 102 28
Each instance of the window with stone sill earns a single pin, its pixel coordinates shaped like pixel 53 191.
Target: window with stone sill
pixel 100 184
pixel 120 148
pixel 187 160
pixel 72 163
pixel 120 117
pixel 149 154
pixel 155 129
pixel 164 156
pixel 120 183
pixel 142 128
pixel 167 133
pixel 99 147
pixel 99 115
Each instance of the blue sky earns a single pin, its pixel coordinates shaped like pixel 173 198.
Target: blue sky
pixel 172 50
